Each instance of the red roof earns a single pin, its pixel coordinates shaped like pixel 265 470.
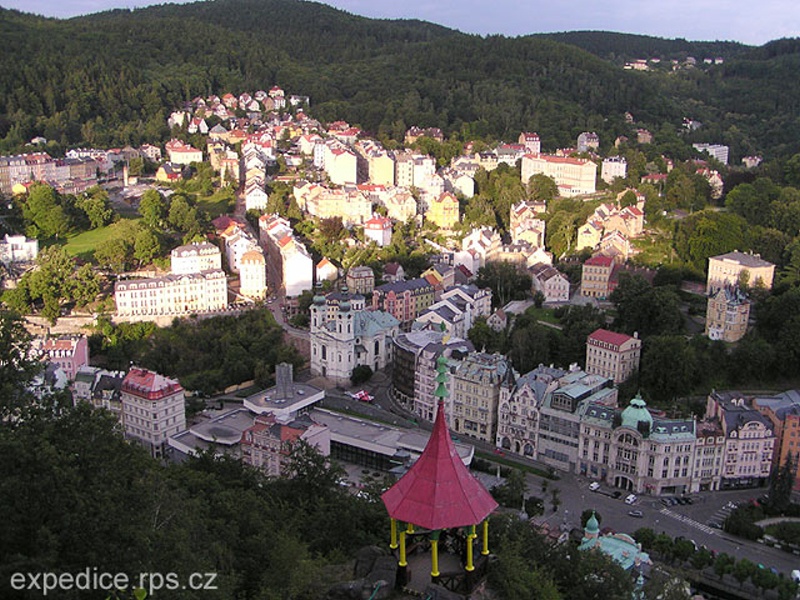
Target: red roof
pixel 438 491
pixel 609 337
pixel 599 261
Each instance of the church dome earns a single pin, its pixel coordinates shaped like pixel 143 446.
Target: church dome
pixel 636 413
pixel 592 525
pixel 319 300
pixel 344 306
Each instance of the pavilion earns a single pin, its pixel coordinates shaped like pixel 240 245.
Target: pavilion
pixel 438 495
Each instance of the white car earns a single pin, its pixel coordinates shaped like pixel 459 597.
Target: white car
pixel 594 486
pixel 630 499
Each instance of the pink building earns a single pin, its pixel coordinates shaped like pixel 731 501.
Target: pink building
pixel 67 352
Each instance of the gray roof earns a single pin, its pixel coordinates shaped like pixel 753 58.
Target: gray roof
pixel 404 286
pixel 744 259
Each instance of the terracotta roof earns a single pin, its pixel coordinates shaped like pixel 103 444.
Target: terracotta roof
pixel 609 337
pixel 599 261
pixel 438 491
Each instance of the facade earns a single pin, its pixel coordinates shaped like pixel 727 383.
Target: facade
pixel 588 141
pixel 180 153
pixel 344 335
pixel 717 151
pixel 731 268
pixel 195 258
pixel 574 176
pixel 289 265
pixel 475 389
pixel 548 280
pixel 443 211
pixel 613 355
pixel 749 439
pixel 727 314
pixel 404 300
pixel 379 230
pixel 360 280
pixel 635 451
pixel 68 352
pixel 596 277
pixel 784 412
pixel 152 408
pixel 18 249
pixel 612 168
pixel 457 309
pixel 253 274
pixel 267 443
pixel 206 291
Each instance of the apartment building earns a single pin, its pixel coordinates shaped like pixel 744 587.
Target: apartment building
pixel 172 294
pixel 738 267
pixel 613 355
pixel 727 314
pixel 476 384
pixel 290 268
pixel 573 176
pixel 195 258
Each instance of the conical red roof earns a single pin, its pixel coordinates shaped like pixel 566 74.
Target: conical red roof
pixel 438 491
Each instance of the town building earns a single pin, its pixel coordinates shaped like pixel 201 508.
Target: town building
pixel 443 211
pixel 152 408
pixel 67 352
pixel 290 268
pixel 613 167
pixel 620 547
pixel 253 274
pixel 573 176
pixel 18 249
pixel 737 268
pixel 727 314
pixel 360 280
pixel 180 153
pixel 475 387
pixel 716 151
pixel 613 355
pixel 379 230
pixel 551 282
pixel 784 411
pixel 195 258
pixel 171 294
pixel 749 439
pixel 267 443
pixel 345 335
pixel 596 276
pixel 531 142
pixel 404 300
pixel 457 309
pixel 588 141
pixel 636 451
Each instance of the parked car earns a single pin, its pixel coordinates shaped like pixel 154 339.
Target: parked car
pixel 636 513
pixel 594 486
pixel 666 501
pixel 630 498
pixel 361 395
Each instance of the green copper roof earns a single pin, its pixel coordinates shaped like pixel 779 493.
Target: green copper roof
pixel 636 413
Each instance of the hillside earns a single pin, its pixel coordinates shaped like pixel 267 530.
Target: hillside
pixel 112 78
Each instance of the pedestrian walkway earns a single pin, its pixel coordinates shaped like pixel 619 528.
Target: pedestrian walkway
pixel 691 522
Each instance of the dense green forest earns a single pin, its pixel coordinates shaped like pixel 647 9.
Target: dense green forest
pixel 112 78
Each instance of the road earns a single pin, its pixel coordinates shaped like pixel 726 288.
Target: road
pixel 688 521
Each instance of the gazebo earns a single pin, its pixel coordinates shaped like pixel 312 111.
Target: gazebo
pixel 439 493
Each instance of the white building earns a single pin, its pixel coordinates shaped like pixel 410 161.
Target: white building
pixel 613 167
pixel 172 294
pixel 18 248
pixel 573 176
pixel 289 265
pixel 253 274
pixel 194 258
pixel 152 409
pixel 345 335
pixel 717 151
pixel 379 230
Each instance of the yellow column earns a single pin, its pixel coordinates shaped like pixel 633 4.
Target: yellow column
pixel 485 550
pixel 409 528
pixel 470 565
pixel 393 542
pixel 434 558
pixel 403 561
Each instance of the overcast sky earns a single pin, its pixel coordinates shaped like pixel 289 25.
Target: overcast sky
pixel 737 20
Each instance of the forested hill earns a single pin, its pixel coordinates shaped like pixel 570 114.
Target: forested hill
pixel 620 47
pixel 114 77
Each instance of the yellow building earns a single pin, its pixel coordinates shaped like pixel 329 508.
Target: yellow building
pixel 728 269
pixel 727 314
pixel 443 211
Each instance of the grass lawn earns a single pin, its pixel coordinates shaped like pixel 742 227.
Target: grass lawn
pixel 219 203
pixel 83 244
pixel 655 249
pixel 543 314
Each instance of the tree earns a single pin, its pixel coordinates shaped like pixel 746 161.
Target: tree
pixel 542 188
pixel 668 368
pixel 153 209
pixel 644 309
pixel 45 214
pixel 361 374
pixel 18 366
pixel 146 246
pixel 115 254
pixel 505 280
pixel 780 485
pixel 97 207
pixel 182 216
pixel 52 282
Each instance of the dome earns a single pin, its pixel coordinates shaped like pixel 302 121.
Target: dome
pixel 592 525
pixel 344 306
pixel 319 300
pixel 636 413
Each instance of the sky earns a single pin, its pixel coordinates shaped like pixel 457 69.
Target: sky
pixel 706 20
